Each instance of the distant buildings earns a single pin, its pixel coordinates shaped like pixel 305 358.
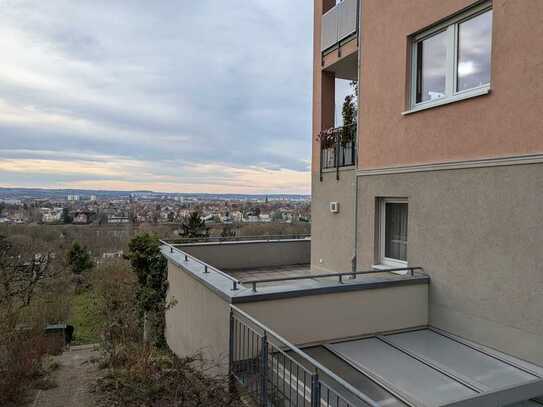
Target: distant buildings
pixel 117 220
pixel 82 218
pixel 51 215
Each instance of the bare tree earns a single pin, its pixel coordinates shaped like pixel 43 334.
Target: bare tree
pixel 22 273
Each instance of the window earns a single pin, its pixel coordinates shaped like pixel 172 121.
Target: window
pixel 393 232
pixel 452 60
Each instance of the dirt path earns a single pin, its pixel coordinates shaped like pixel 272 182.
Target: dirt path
pixel 74 377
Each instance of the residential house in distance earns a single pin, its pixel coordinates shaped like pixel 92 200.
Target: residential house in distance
pixel 422 282
pixel 82 218
pixel 51 215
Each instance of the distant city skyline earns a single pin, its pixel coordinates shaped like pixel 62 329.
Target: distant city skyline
pixel 166 96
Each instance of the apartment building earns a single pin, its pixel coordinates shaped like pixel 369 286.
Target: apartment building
pixel 421 284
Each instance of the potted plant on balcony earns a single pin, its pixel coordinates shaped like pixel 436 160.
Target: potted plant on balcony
pixel 349 113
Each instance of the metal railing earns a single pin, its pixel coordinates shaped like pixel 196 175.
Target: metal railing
pixel 220 239
pixel 338 23
pixel 340 276
pixel 338 148
pixel 206 267
pixel 277 373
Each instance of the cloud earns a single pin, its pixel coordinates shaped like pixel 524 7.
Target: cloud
pixel 73 171
pixel 170 91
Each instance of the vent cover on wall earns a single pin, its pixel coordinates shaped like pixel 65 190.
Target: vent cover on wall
pixel 334 207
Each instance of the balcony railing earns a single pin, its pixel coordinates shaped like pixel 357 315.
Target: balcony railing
pixel 339 23
pixel 338 148
pixel 277 373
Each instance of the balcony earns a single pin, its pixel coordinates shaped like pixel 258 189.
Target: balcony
pixel 338 147
pixel 339 24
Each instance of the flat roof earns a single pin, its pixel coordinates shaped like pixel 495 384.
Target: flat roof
pixel 222 282
pixel 430 367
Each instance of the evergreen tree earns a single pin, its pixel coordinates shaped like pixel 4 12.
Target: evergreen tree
pixel 194 226
pixel 79 259
pixel 151 270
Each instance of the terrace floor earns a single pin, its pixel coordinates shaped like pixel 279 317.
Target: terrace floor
pixel 264 273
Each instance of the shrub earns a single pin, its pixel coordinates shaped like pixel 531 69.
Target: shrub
pixel 153 377
pixel 115 290
pixel 21 354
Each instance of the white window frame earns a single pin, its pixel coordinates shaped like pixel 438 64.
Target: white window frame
pixel 450 26
pixel 387 262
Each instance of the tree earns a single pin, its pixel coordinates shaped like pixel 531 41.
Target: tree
pixel 22 273
pixel 25 276
pixel 194 226
pixel 151 270
pixel 228 231
pixel 79 259
pixel 349 113
pixel 66 217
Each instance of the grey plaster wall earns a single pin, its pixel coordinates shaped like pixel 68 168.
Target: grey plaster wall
pixel 316 318
pixel 478 233
pixel 199 320
pixel 332 233
pixel 245 255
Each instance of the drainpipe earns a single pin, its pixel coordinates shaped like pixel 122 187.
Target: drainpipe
pixel 355 240
pixel 354 260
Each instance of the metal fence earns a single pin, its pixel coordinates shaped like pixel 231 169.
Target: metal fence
pixel 206 268
pixel 338 147
pixel 340 276
pixel 276 373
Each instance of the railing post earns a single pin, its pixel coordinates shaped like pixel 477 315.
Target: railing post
pixel 234 285
pixel 337 155
pixel 264 370
pixel 322 155
pixel 315 390
pixel 231 344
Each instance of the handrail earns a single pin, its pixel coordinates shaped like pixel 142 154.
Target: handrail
pixel 340 276
pixel 316 365
pixel 219 239
pixel 235 282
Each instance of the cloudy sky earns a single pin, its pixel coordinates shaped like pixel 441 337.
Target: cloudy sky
pixel 180 96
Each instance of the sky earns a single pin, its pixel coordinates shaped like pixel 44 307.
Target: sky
pixel 174 96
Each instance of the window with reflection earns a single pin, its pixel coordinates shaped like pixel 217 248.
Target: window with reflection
pixel 453 59
pixel 432 67
pixel 474 44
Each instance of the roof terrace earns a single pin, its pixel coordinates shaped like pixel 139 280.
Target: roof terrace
pixel 255 269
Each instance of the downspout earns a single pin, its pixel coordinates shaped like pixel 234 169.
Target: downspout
pixel 354 259
pixel 355 240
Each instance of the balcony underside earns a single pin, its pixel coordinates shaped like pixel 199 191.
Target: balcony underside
pixel 343 61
